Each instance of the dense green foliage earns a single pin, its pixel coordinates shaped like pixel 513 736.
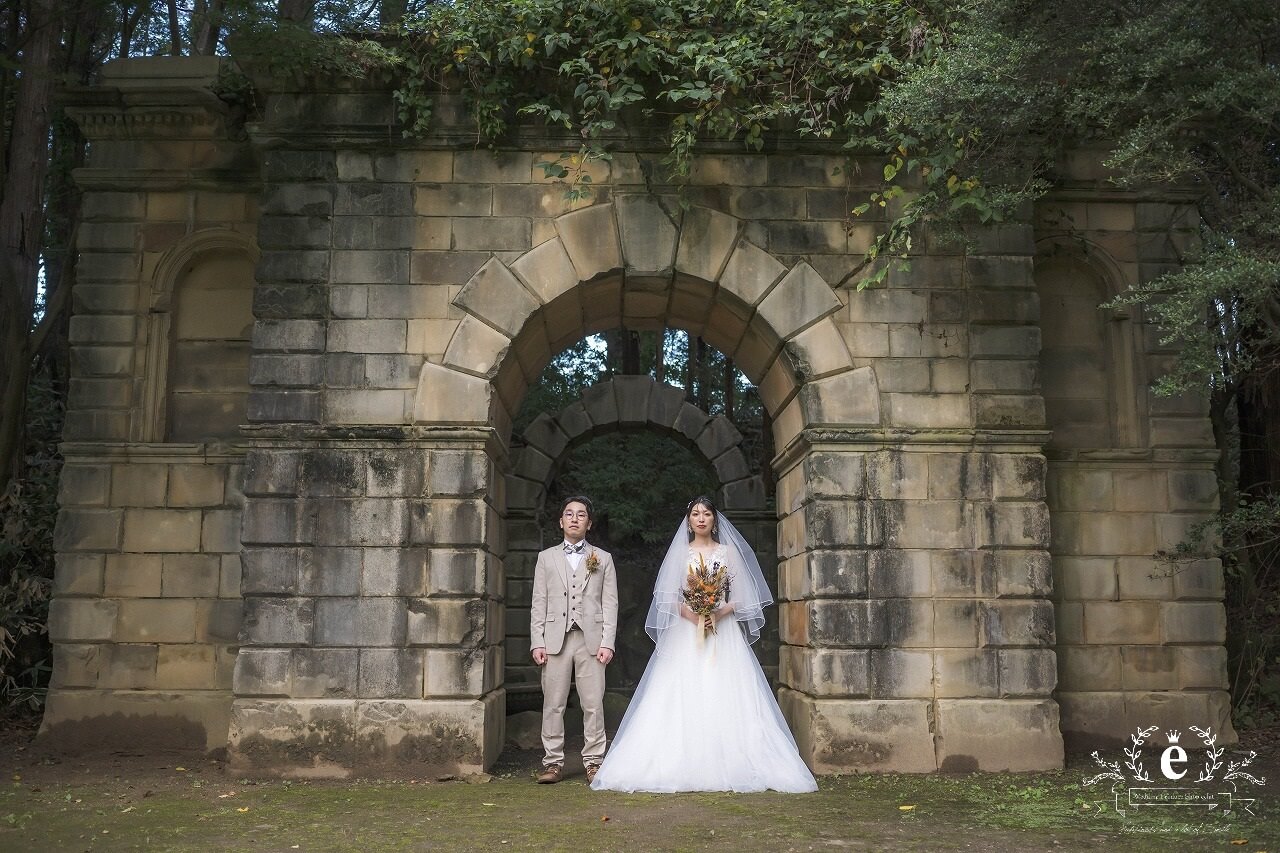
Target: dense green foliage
pixel 28 509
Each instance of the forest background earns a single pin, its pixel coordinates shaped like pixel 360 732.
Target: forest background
pixel 969 105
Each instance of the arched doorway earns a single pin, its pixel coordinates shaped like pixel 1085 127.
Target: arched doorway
pixel 632 263
pixel 618 404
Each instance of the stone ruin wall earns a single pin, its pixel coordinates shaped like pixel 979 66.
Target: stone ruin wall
pixel 291 518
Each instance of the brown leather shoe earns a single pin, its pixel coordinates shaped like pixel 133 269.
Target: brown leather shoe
pixel 551 774
pixel 591 772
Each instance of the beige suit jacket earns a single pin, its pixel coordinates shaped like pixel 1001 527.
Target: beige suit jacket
pixel 552 588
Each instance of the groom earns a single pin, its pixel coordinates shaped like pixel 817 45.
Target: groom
pixel 571 632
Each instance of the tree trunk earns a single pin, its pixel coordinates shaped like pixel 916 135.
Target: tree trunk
pixel 660 358
pixel 297 11
pixel 22 227
pixel 730 381
pixel 704 378
pixel 688 367
pixel 630 352
pixel 175 30
pixel 206 27
pixel 391 11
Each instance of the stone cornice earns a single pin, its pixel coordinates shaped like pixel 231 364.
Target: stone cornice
pixel 158 452
pixel 867 440
pixel 383 437
pixel 153 180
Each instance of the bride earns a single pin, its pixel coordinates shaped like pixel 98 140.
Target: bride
pixel 703 717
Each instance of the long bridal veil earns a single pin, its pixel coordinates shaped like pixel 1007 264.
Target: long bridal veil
pixel 747 589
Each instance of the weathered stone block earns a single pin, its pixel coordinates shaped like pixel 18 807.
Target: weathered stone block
pixel 324 673
pixel 477 348
pixel 393 572
pixel 82 619
pixel 263 672
pixel 998 735
pixel 1193 622
pixel 129 667
pixel 88 530
pixel 279 621
pixel 184 667
pixel 77 665
pixel 455 672
pixel 1202 667
pixel 368 336
pixel 289 336
pixel 439 622
pixel 269 472
pixel 495 295
pixel 283 406
pixel 846 398
pixel 390 673
pixel 368 521
pixel 1017 623
pixel 156 621
pixel 464 473
pixel 1028 672
pixel 275 522
pixel 190 575
pixel 79 574
pixel 447 396
pixel 967 673
pixel 457 571
pixel 196 485
pixel 837 735
pixel 220 531
pixel 158 530
pixel 329 571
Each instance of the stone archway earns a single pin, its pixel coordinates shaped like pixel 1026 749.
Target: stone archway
pixel 630 262
pixel 621 403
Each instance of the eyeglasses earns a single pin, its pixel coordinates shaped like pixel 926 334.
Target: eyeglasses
pixel 568 513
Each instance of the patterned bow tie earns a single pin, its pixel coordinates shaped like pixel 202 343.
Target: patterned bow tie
pixel 574 549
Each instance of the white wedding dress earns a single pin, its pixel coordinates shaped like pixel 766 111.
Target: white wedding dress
pixel 703 719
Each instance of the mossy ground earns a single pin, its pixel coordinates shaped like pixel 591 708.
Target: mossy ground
pixel 179 803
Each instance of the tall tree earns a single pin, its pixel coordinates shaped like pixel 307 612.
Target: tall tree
pixel 22 218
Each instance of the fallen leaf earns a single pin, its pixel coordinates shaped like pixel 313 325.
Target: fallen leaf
pixel 243 810
pixel 604 818
pixel 126 811
pixel 905 808
pixel 227 794
pixel 1239 841
pixel 488 804
pixel 180 769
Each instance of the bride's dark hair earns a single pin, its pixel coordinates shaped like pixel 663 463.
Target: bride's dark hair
pixel 703 500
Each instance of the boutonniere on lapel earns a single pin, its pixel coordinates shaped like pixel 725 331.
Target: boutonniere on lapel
pixel 593 563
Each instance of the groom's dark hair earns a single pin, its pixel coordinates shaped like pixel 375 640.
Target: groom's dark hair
pixel 579 499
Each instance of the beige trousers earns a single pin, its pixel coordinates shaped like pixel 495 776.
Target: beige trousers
pixel 575 662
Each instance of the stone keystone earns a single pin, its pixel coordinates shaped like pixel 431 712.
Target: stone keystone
pixel 590 236
pixel 633 399
pixel 496 296
pixel 446 396
pixel 648 235
pixel 706 239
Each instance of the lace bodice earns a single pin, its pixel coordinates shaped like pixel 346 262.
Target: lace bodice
pixel 719 555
